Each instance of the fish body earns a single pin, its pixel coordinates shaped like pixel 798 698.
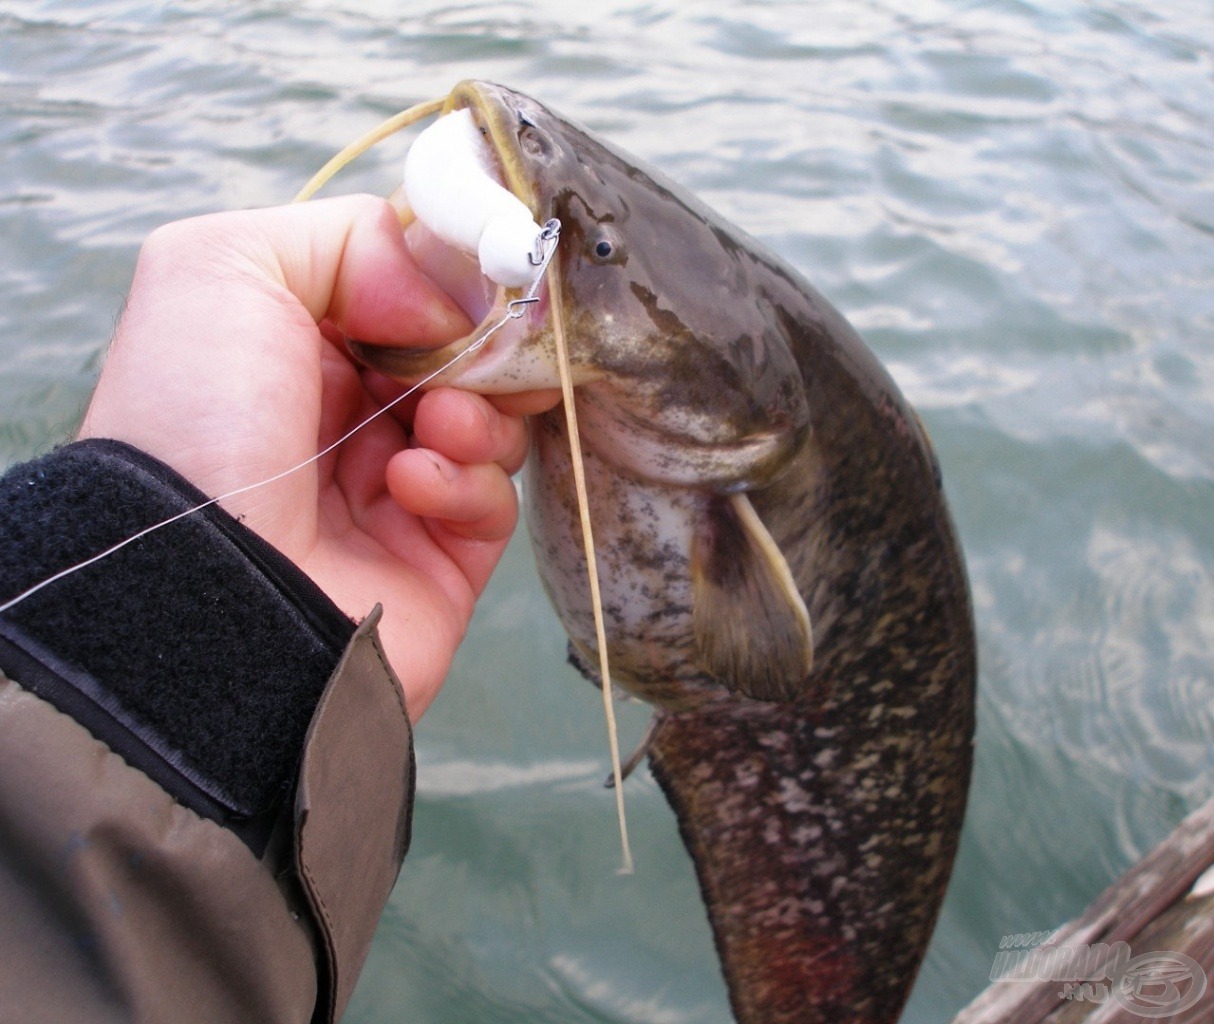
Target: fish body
pixel 781 577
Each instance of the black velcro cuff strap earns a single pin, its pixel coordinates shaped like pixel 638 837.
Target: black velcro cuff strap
pixel 198 653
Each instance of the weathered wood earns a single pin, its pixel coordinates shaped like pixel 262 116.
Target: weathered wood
pixel 1152 908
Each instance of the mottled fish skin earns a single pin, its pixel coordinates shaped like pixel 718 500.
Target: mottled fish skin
pixel 822 827
pixel 824 831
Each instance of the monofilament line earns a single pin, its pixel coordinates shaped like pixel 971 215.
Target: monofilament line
pixel 516 308
pixel 592 569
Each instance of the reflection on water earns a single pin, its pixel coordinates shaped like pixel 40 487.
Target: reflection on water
pixel 1014 203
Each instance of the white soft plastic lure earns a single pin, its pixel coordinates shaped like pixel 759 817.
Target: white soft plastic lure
pixel 452 190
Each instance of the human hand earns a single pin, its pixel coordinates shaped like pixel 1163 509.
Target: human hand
pixel 227 365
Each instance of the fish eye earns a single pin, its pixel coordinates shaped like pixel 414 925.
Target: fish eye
pixel 606 246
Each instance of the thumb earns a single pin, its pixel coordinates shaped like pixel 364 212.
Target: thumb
pixel 346 261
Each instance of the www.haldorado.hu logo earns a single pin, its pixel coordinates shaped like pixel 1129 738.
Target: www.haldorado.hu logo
pixel 1151 985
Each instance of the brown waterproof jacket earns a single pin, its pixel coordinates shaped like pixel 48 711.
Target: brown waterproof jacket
pixel 130 886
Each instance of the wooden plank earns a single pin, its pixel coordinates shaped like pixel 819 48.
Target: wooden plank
pixel 1150 908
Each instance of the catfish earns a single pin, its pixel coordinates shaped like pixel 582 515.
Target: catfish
pixel 781 577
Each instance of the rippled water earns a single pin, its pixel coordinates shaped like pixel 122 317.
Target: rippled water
pixel 1013 201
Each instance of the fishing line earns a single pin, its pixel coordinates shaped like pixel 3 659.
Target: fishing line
pixel 315 183
pixel 541 258
pixel 545 247
pixel 592 569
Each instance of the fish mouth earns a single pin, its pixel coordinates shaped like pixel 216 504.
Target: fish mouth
pixel 494 307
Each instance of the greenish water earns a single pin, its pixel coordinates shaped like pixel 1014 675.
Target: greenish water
pixel 1013 201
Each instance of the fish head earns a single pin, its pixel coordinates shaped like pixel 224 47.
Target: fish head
pixel 682 371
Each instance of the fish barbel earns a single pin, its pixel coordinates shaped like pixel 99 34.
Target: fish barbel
pixel 781 577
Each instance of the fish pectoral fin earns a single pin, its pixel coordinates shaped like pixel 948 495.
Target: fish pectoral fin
pixel 752 629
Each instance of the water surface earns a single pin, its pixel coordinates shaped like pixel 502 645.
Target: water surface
pixel 1012 201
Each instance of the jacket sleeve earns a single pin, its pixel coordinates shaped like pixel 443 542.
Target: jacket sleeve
pixel 206 770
